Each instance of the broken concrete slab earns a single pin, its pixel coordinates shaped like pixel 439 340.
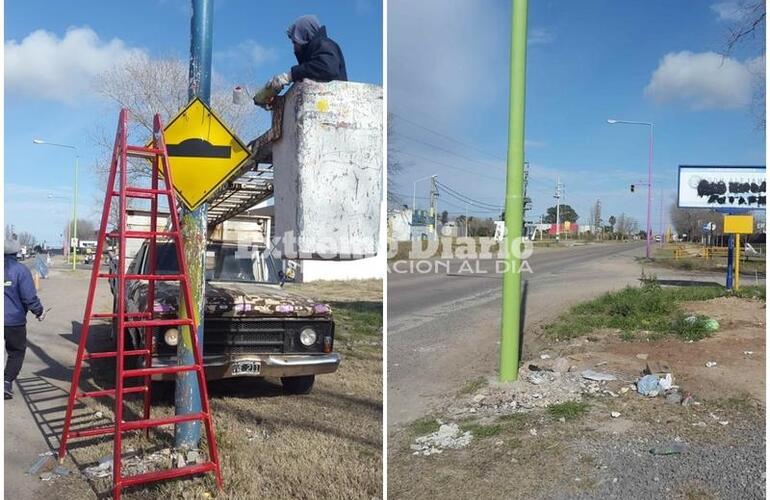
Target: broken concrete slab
pixel 597 376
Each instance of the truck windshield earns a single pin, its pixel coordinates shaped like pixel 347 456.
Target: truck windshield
pixel 227 262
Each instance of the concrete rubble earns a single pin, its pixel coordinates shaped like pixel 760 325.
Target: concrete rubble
pixel 448 436
pixel 552 381
pixel 555 381
pixel 134 463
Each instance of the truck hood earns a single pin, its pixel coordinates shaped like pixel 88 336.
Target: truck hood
pixel 227 299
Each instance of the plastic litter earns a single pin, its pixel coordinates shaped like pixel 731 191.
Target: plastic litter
pixel 709 324
pixel 597 376
pixel 666 382
pixel 711 364
pixel 44 461
pixel 61 471
pixel 674 449
pixel 649 385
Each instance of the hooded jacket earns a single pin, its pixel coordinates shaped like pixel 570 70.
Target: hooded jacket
pixel 320 58
pixel 20 294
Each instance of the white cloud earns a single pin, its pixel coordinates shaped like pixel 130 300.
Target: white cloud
pixel 703 81
pixel 445 62
pixel 539 36
pixel 729 11
pixel 45 66
pixel 248 52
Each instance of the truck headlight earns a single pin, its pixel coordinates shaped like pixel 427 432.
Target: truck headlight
pixel 308 337
pixel 171 337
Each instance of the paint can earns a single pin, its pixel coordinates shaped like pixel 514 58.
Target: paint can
pixel 240 95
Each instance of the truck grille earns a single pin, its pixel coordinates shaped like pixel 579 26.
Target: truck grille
pixel 258 335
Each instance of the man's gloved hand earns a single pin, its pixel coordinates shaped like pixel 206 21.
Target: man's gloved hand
pixel 41 316
pixel 279 81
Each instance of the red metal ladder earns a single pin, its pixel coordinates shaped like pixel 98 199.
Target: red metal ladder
pixel 142 320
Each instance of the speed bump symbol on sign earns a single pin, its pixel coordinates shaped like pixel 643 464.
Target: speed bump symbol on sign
pixel 203 153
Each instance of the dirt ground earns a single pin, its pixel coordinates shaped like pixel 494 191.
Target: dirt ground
pixel 327 444
pixel 533 454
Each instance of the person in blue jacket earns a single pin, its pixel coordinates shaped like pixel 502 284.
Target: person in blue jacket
pixel 319 57
pixel 20 297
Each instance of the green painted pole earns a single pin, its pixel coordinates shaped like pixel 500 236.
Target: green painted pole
pixel 514 199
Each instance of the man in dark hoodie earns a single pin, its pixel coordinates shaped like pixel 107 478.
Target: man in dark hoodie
pixel 20 297
pixel 319 58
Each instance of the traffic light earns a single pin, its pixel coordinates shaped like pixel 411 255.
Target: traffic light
pixel 632 188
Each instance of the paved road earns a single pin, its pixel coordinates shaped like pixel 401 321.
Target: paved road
pixel 444 327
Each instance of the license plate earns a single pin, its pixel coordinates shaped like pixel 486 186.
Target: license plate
pixel 245 368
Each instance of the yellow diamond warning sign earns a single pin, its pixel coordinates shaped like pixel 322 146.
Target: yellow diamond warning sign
pixel 203 153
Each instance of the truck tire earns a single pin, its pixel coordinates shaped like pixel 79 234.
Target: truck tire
pixel 114 325
pixel 298 385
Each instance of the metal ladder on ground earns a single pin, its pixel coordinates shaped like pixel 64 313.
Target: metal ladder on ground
pixel 144 321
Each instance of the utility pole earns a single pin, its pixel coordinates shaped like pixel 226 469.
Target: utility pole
pixel 661 219
pixel 514 206
pixel 187 399
pixel 433 203
pixel 558 196
pixel 541 228
pixel 527 206
pixel 466 220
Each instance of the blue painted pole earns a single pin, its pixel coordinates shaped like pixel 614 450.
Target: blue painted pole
pixel 730 258
pixel 187 397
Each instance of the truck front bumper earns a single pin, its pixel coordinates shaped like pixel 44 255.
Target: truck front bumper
pixel 270 365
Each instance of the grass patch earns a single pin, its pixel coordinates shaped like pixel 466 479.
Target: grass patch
pixel 482 431
pixel 627 336
pixel 649 307
pixel 423 426
pixel 692 327
pixel 473 386
pixel 569 410
pixel 513 418
pixel 751 292
pixel 357 320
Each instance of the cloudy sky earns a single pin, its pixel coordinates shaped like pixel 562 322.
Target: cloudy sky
pixel 53 55
pixel 656 61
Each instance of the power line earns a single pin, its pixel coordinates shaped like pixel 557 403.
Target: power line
pixel 452 139
pixel 476 209
pixel 477 174
pixel 454 153
pixel 447 137
pixel 466 199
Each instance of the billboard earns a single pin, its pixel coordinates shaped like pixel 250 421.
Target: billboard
pixel 721 187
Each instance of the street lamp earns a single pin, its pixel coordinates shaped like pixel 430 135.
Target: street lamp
pixel 75 195
pixel 649 178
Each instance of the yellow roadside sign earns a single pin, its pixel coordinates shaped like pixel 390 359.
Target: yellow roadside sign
pixel 203 152
pixel 739 224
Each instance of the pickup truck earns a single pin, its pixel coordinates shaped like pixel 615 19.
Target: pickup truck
pixel 252 327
